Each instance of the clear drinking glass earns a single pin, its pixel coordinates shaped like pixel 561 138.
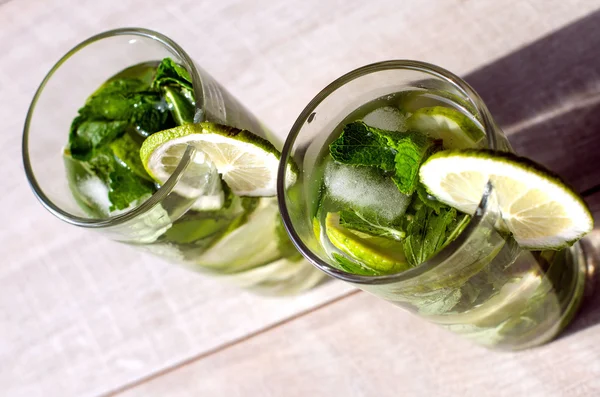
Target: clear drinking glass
pixel 482 285
pixel 163 225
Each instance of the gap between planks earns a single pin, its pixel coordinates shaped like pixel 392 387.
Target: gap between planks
pixel 224 346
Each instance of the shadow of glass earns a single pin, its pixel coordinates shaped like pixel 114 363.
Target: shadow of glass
pixel 589 314
pixel 546 97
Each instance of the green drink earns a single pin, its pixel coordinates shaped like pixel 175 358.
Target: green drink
pixel 161 157
pixel 404 199
pixel 364 204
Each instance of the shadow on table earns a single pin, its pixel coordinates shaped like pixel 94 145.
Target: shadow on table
pixel 546 97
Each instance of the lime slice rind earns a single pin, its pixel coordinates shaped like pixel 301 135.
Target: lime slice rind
pixel 538 208
pixel 258 181
pixel 376 253
pixel 246 162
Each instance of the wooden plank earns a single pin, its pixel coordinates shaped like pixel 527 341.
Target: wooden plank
pixel 362 346
pixel 80 315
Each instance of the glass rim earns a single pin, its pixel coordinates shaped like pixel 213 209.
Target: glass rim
pixel 446 252
pixel 161 192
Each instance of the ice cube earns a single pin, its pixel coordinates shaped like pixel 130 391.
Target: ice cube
pixel 94 190
pixel 365 188
pixel 386 118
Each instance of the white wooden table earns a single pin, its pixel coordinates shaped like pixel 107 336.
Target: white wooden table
pixel 82 316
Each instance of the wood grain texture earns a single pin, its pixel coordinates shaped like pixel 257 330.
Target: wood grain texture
pixel 362 346
pixel 80 315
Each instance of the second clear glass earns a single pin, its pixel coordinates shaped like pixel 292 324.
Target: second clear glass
pixel 482 285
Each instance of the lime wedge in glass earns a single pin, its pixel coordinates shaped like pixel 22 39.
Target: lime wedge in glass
pixel 377 253
pixel 251 244
pixel 455 129
pixel 539 209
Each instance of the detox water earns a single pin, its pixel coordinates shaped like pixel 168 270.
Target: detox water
pixel 237 238
pixel 490 290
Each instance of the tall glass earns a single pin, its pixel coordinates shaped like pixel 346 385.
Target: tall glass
pixel 482 285
pixel 250 255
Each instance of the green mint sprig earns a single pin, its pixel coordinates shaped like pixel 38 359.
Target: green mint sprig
pixel 428 225
pixel 400 153
pixel 106 135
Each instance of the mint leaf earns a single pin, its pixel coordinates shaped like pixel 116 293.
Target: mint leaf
pixel 360 144
pixel 117 106
pixel 181 108
pixel 101 164
pixel 456 227
pixel 372 224
pixel 86 136
pixel 149 114
pixel 349 266
pixel 126 188
pixel 412 149
pixel 116 99
pixel 127 150
pixel 429 200
pixel 103 135
pixel 112 111
pixel 145 111
pixel 120 86
pixel 400 152
pixel 428 232
pixel 169 72
pixel 175 83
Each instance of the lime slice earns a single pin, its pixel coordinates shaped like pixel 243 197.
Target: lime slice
pixel 377 253
pixel 455 129
pixel 536 206
pixel 200 179
pixel 252 244
pixel 127 150
pixel 247 163
pixel 280 277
